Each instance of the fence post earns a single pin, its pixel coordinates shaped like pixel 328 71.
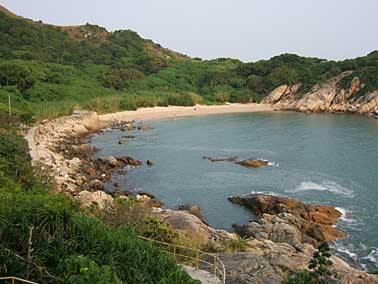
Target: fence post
pixel 215 269
pixel 12 280
pixel 197 260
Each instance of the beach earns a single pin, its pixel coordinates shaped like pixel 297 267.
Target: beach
pixel 180 111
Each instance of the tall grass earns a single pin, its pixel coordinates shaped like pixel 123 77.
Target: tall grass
pixel 114 103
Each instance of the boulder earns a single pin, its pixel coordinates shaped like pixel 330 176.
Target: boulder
pixel 122 141
pixel 192 209
pixel 127 127
pixel 149 202
pixel 276 94
pixel 253 163
pixel 113 162
pixel 273 205
pixel 75 163
pixel 130 161
pixel 91 172
pixel 150 163
pixel 144 127
pixel 194 227
pixel 96 184
pixel 98 198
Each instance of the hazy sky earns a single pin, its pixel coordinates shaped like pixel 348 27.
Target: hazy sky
pixel 245 29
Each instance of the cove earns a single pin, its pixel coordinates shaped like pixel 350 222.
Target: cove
pixel 315 158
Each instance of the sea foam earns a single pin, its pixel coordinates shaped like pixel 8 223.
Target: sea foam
pixel 325 185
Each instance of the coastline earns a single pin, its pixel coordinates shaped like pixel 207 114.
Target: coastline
pixel 52 143
pixel 152 113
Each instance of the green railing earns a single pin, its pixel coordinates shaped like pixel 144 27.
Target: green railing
pixel 14 280
pixel 194 258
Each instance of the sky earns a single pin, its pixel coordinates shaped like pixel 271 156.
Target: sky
pixel 248 30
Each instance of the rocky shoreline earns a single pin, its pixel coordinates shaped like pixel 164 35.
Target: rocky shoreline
pixel 328 97
pixel 59 147
pixel 282 240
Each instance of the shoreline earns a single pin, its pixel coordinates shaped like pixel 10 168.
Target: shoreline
pixel 153 113
pixel 50 141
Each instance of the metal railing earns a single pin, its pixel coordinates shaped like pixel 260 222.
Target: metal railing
pixel 194 258
pixel 15 280
pixel 182 255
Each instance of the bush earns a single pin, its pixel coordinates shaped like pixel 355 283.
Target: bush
pixel 126 105
pixel 181 100
pixel 320 271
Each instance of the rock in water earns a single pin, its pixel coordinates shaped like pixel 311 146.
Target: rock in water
pixel 144 127
pixel 289 220
pixel 270 204
pixel 253 163
pixel 122 141
pixel 149 163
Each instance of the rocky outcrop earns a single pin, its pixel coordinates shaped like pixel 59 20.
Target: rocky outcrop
pixel 194 228
pixel 286 228
pixel 97 198
pixel 289 220
pixel 267 262
pixel 281 92
pixel 246 163
pixel 253 163
pixel 326 97
pixel 273 205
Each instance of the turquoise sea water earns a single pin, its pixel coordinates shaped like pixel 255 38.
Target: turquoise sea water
pixel 316 158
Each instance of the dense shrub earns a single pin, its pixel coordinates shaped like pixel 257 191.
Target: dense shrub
pixel 68 246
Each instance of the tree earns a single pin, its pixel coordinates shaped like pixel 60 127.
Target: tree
pixel 12 74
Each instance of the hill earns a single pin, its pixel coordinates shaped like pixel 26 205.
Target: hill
pixel 89 67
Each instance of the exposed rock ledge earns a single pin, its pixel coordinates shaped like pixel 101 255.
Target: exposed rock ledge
pixel 326 97
pixel 267 260
pixel 289 220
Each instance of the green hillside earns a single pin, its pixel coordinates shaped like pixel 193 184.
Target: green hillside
pixel 89 67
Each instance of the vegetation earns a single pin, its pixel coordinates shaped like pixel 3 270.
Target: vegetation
pixel 45 237
pixel 320 272
pixel 48 71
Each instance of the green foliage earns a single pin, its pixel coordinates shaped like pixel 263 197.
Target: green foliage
pixel 320 271
pixel 181 100
pixel 367 75
pixel 302 277
pixel 82 270
pixel 158 230
pixel 69 246
pixel 49 71
pixel 12 74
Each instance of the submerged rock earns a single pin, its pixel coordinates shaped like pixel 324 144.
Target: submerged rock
pixel 144 127
pixel 221 159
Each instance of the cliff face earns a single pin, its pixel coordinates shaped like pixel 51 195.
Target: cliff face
pixel 326 97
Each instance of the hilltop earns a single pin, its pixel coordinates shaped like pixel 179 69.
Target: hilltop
pixel 89 67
